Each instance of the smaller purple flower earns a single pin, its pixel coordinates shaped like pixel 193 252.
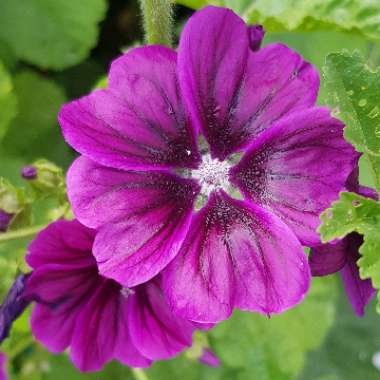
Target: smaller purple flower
pixel 209 358
pixel 13 305
pixel 342 256
pixel 5 219
pixel 96 317
pixel 3 369
pixel 29 172
pixel 256 34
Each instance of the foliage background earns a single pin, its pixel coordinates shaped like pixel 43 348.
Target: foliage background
pixel 52 51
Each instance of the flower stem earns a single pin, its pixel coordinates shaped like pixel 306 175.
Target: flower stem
pixel 139 374
pixel 158 21
pixel 21 233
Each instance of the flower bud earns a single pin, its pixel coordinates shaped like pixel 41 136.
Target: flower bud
pixel 29 172
pixel 256 34
pixel 48 176
pixel 10 204
pixel 13 305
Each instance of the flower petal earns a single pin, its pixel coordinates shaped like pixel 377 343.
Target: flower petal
pixel 64 243
pixel 139 122
pixel 236 255
pixel 142 217
pixel 328 258
pixel 359 292
pixel 156 332
pixel 297 168
pixel 97 327
pixel 232 93
pixel 13 305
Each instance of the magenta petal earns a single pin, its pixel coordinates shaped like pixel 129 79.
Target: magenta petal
pixel 328 258
pixel 62 242
pixel 155 330
pixel 231 92
pixel 236 255
pixel 359 292
pixel 3 367
pixel 212 57
pixel 97 328
pixel 139 122
pixel 142 217
pixel 209 358
pixel 297 168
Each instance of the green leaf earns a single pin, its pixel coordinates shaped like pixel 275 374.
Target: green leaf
pixel 354 213
pixel 275 348
pixel 353 90
pixel 34 132
pixel 51 34
pixel 8 104
pixel 300 15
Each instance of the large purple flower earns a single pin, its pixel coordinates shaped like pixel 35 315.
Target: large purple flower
pixel 98 318
pixel 163 141
pixel 342 256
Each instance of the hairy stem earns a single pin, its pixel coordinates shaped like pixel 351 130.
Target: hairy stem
pixel 158 21
pixel 21 233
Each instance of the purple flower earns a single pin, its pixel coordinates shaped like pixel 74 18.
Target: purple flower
pixel 96 317
pixel 29 172
pixel 3 369
pixel 13 305
pixel 145 168
pixel 342 255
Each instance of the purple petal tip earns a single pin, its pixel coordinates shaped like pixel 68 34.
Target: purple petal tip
pixel 256 34
pixel 5 219
pixel 209 358
pixel 29 172
pixel 13 305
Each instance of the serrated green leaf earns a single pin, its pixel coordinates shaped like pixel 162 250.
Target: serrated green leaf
pixel 8 104
pixel 350 213
pixel 353 91
pixel 275 348
pixel 299 15
pixel 354 213
pixel 51 34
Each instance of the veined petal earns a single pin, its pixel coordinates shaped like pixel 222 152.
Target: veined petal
pixel 359 292
pixel 297 168
pixel 63 242
pixel 232 93
pixel 97 328
pixel 139 122
pixel 142 217
pixel 328 258
pixel 236 255
pixel 155 331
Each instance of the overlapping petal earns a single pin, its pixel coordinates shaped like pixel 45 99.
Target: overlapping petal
pixel 155 330
pixel 325 259
pixel 94 316
pixel 139 122
pixel 236 255
pixel 359 292
pixel 142 217
pixel 98 330
pixel 297 168
pixel 232 93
